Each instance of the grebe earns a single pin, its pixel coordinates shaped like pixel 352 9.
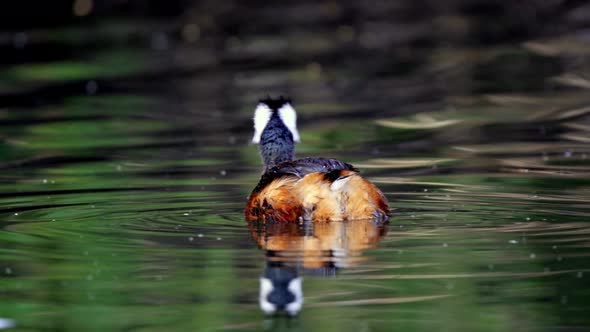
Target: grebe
pixel 308 189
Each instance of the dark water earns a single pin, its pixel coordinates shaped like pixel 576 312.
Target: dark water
pixel 125 166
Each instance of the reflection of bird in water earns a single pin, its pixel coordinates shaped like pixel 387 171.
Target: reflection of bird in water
pixel 317 189
pixel 317 245
pixel 311 248
pixel 280 290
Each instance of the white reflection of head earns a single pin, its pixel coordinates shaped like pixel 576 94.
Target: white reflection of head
pixel 294 287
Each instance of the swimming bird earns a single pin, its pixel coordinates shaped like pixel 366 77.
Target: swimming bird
pixel 308 189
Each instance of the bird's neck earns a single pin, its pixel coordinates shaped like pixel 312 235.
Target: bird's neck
pixel 276 144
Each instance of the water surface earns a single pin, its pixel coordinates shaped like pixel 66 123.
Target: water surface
pixel 125 166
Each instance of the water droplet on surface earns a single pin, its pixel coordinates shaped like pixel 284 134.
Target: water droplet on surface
pixel 190 238
pixel 223 172
pixel 580 274
pixel 513 241
pixel 533 256
pixel 199 235
pixel 8 270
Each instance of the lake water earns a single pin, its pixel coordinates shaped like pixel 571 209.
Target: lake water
pixel 125 167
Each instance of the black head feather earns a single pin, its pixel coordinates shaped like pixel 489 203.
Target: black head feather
pixel 275 104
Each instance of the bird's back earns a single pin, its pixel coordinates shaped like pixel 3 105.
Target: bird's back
pixel 318 189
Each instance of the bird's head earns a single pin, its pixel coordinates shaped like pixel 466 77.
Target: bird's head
pixel 280 111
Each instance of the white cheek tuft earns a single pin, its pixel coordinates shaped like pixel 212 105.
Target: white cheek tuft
pixel 266 287
pixel 261 118
pixel 289 117
pixel 294 307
